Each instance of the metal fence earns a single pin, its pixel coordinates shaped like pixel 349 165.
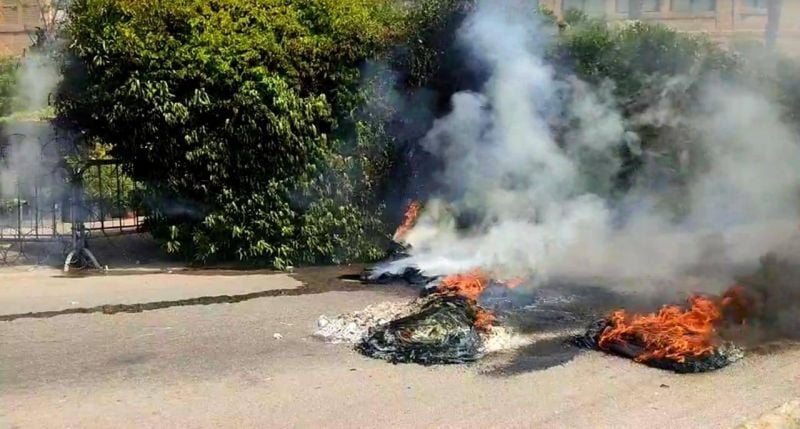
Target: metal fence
pixel 46 198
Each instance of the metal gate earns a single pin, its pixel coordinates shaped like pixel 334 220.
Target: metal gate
pixel 47 197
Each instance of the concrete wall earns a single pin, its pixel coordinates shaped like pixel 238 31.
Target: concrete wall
pixel 729 21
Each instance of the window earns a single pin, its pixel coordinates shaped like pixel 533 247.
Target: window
pixel 31 15
pixel 694 6
pixel 9 12
pixel 623 6
pixel 589 7
pixel 755 4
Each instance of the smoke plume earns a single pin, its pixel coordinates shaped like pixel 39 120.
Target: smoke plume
pixel 544 199
pixel 30 155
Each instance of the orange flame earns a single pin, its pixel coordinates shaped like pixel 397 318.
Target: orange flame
pixel 484 320
pixel 738 304
pixel 470 285
pixel 513 283
pixel 409 219
pixel 672 333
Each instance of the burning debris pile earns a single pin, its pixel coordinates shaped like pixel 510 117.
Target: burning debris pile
pixel 450 325
pixel 446 325
pixel 674 338
pixel 399 249
pixel 410 275
pixel 443 330
pixel 354 328
pixel 455 320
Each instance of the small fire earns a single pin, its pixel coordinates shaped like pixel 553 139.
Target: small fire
pixel 737 304
pixel 674 333
pixel 409 219
pixel 470 285
pixel 513 283
pixel 484 320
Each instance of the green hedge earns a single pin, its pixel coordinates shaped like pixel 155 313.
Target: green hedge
pixel 235 110
pixel 8 84
pixel 632 55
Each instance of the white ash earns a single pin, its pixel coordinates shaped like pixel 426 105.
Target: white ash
pixel 504 338
pixel 501 338
pixel 353 327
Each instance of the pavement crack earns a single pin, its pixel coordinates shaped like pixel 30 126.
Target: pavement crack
pixel 314 281
pixel 158 305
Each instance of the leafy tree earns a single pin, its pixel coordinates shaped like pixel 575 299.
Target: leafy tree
pixel 247 119
pixel 632 55
pixel 652 65
pixel 234 114
pixel 574 16
pixel 431 26
pixel 8 84
pixel 547 15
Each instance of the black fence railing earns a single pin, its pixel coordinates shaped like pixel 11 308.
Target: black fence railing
pixel 50 193
pixel 109 199
pixel 48 206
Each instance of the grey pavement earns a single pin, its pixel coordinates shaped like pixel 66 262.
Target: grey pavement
pixel 38 290
pixel 220 366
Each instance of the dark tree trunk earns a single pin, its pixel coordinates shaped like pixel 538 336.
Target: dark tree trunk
pixel 773 22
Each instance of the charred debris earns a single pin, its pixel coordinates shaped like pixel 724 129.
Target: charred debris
pixel 696 337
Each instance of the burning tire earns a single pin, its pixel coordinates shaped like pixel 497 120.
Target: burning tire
pixel 675 339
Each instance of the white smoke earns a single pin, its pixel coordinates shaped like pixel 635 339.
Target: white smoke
pixel 29 155
pixel 547 206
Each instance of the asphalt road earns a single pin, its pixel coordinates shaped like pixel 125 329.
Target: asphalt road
pixel 219 365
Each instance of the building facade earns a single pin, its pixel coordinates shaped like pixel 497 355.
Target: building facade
pixel 18 22
pixel 724 20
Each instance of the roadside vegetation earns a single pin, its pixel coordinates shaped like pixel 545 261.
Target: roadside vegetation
pixel 258 127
